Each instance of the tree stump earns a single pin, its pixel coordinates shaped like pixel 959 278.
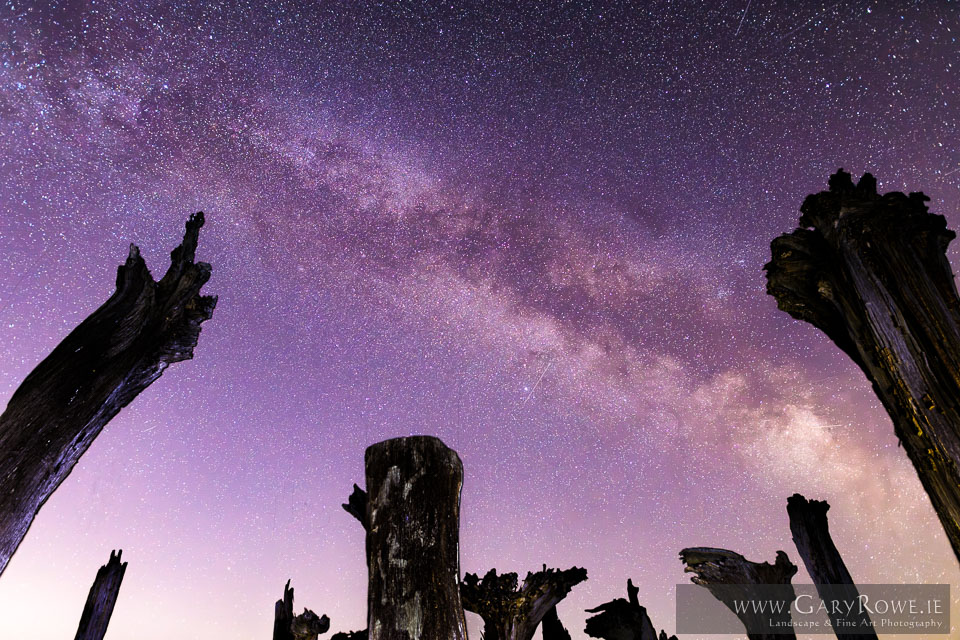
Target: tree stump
pixel 101 599
pixel 729 577
pixel 551 626
pixel 510 613
pixel 811 535
pixel 871 272
pixel 306 626
pixel 412 518
pixel 113 355
pixel 622 619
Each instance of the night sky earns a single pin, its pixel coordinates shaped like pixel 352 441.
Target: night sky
pixel 536 233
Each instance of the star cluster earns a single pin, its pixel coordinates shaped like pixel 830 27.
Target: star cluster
pixel 534 231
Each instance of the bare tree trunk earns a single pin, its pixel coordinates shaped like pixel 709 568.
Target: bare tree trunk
pixel 811 534
pixel 413 533
pixel 510 613
pixel 306 626
pixel 101 599
pixel 553 629
pixel 871 272
pixel 97 370
pixel 729 576
pixel 622 619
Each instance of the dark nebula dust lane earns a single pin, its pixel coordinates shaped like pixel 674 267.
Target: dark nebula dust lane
pixel 534 232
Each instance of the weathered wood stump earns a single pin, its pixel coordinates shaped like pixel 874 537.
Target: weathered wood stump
pixel 101 599
pixel 113 355
pixel 622 619
pixel 730 577
pixel 871 272
pixel 511 613
pixel 306 626
pixel 412 517
pixel 811 535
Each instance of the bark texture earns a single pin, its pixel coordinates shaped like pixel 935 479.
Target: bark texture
pixel 101 599
pixel 871 272
pixel 413 533
pixel 811 534
pixel 623 620
pixel 113 355
pixel 729 576
pixel 511 613
pixel 306 626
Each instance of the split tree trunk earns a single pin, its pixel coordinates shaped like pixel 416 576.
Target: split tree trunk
pixel 871 272
pixel 510 613
pixel 101 599
pixel 413 533
pixel 729 577
pixel 811 534
pixel 622 619
pixel 103 364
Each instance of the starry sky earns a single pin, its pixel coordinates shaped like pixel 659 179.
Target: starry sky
pixel 534 232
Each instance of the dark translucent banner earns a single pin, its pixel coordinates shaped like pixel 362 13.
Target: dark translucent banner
pixel 805 608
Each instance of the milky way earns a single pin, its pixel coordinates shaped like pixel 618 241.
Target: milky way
pixel 536 233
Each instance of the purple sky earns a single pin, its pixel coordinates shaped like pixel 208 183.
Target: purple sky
pixel 537 234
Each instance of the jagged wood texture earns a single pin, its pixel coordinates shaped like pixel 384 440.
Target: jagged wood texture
pixel 871 272
pixel 512 613
pixel 101 599
pixel 622 619
pixel 305 626
pixel 113 355
pixel 718 569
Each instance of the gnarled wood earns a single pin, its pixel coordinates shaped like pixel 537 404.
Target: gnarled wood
pixel 113 355
pixel 811 534
pixel 306 626
pixel 101 599
pixel 729 576
pixel 871 272
pixel 622 619
pixel 413 534
pixel 510 613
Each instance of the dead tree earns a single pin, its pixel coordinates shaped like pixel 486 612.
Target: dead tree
pixel 871 272
pixel 729 577
pixel 622 619
pixel 306 626
pixel 101 599
pixel 510 613
pixel 412 518
pixel 811 535
pixel 350 635
pixel 551 626
pixel 113 355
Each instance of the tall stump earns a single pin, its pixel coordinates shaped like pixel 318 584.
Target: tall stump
pixel 871 272
pixel 811 535
pixel 101 599
pixel 113 355
pixel 413 533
